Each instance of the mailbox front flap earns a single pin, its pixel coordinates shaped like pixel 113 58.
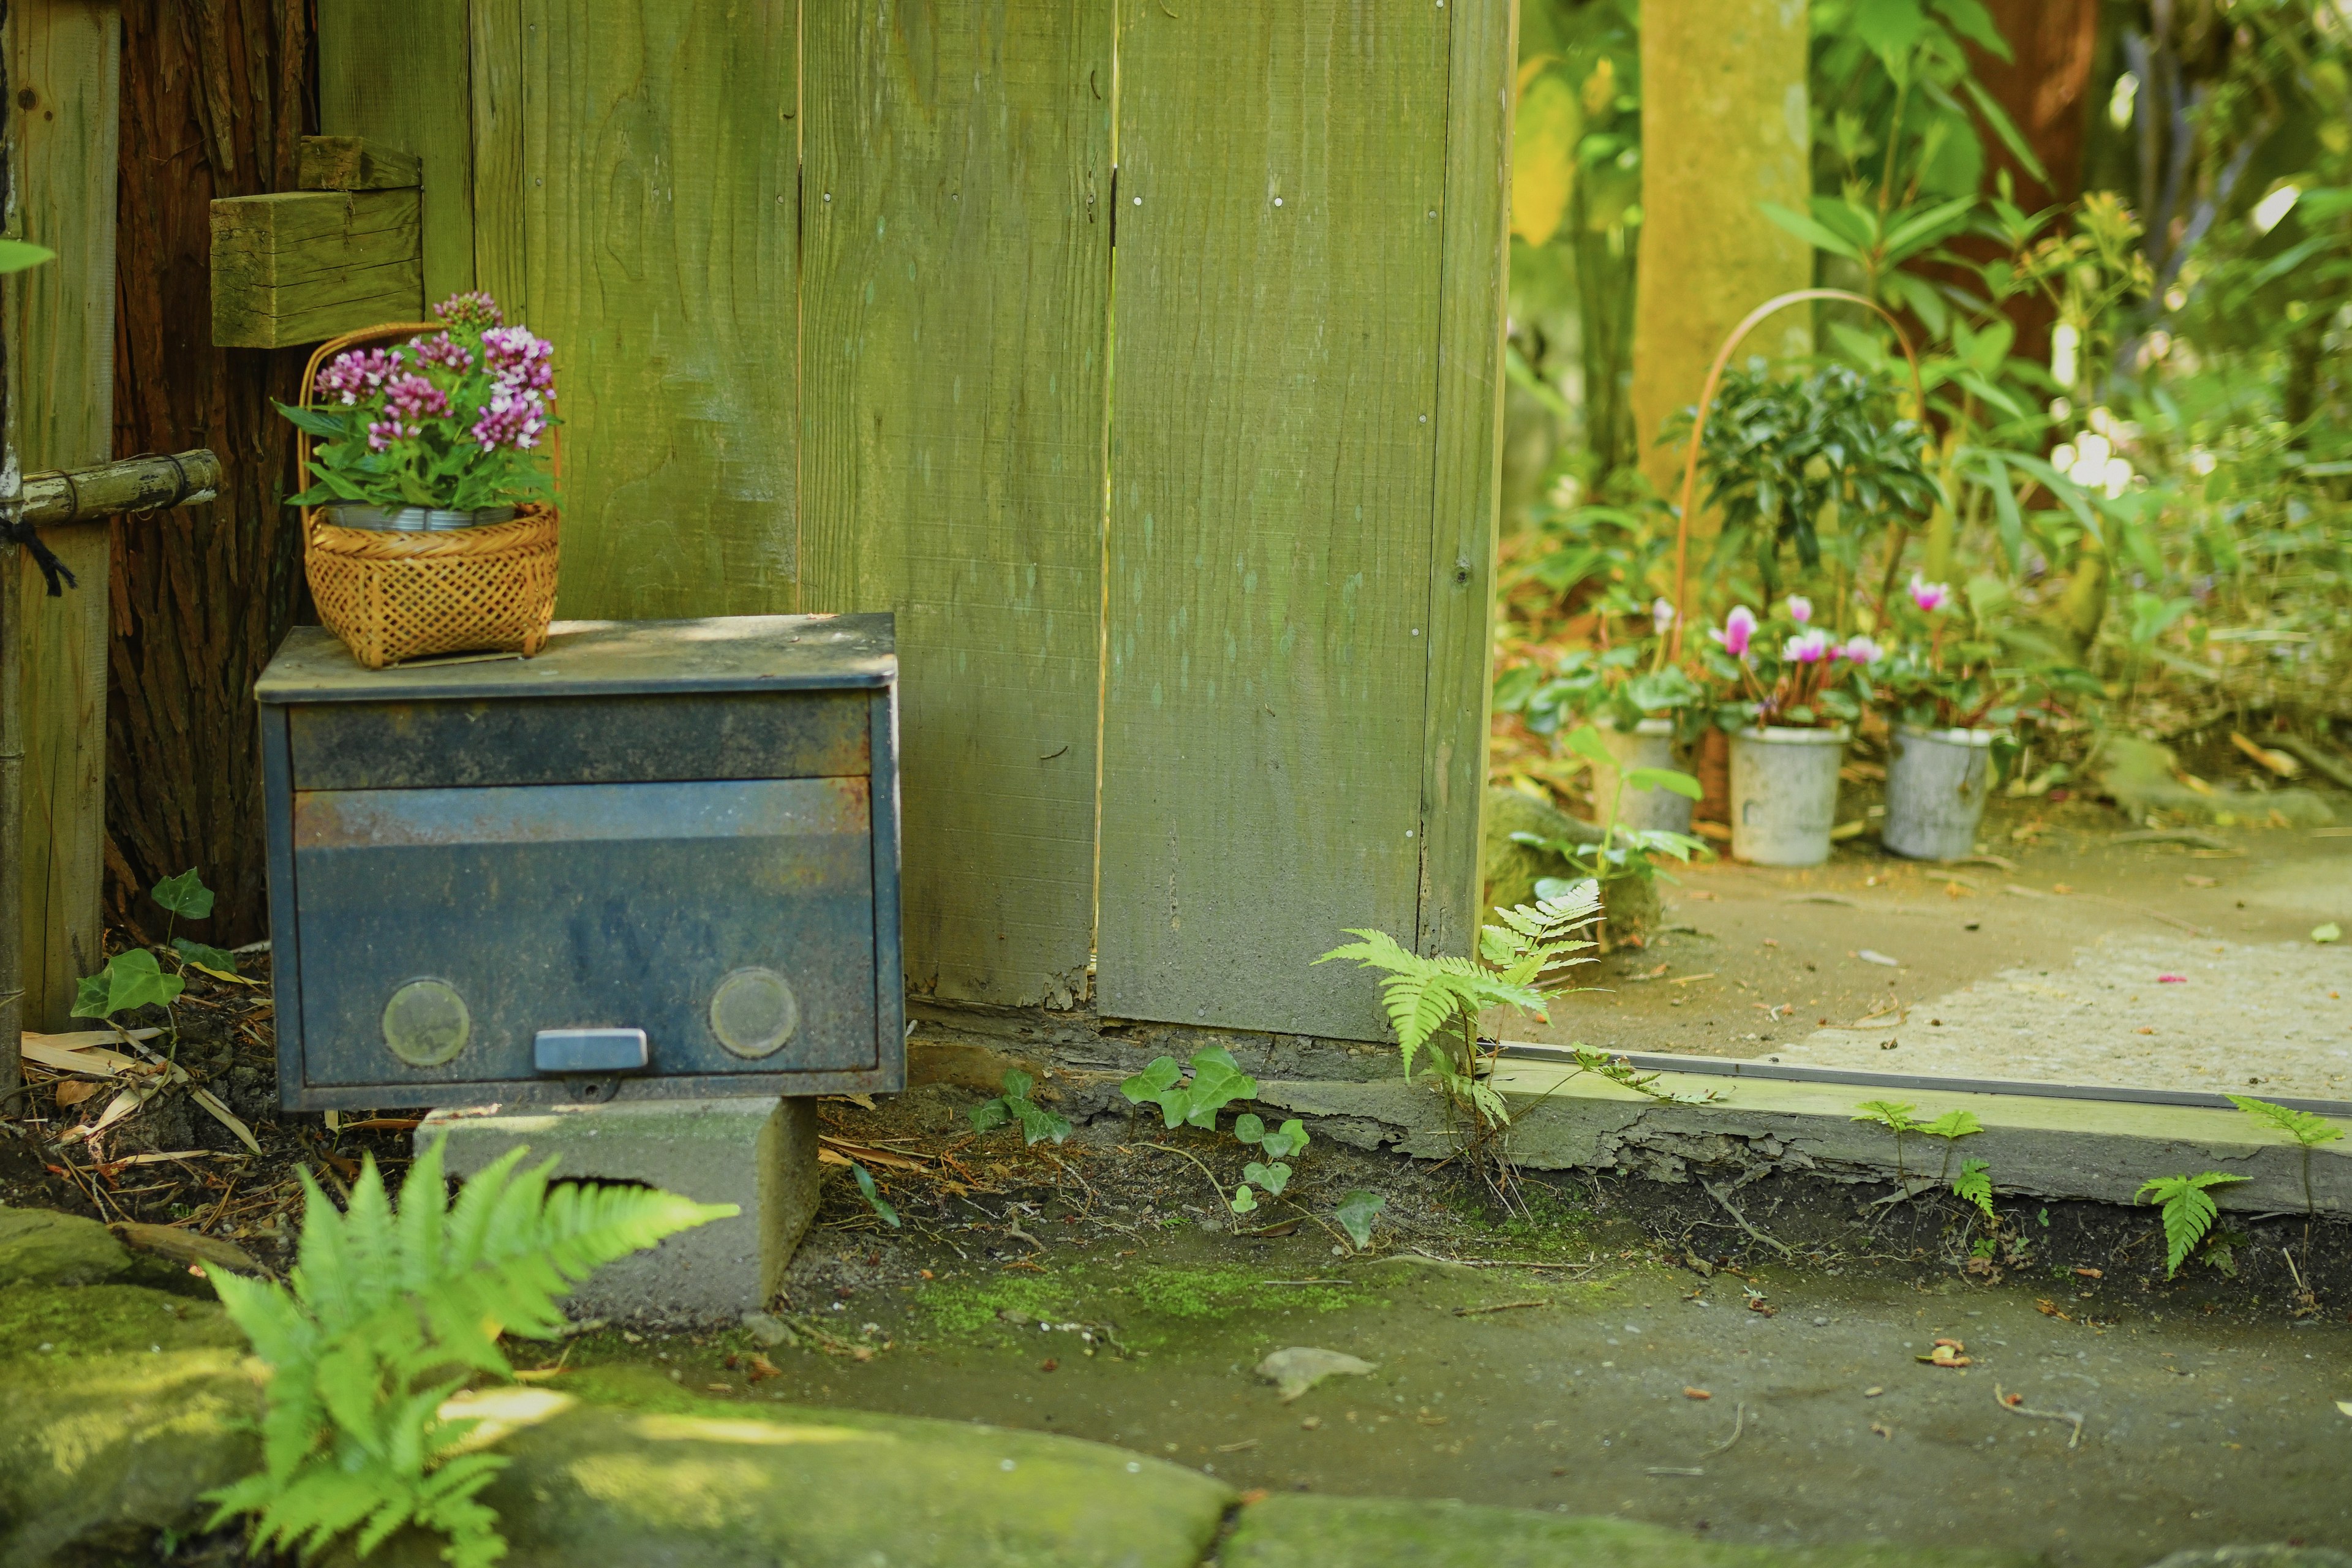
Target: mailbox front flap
pixel 443 929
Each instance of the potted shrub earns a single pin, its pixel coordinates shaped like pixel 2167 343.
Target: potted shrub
pixel 1645 714
pixel 429 523
pixel 1792 693
pixel 1952 704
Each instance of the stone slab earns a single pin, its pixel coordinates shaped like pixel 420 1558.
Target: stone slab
pixel 2041 1147
pixel 757 1154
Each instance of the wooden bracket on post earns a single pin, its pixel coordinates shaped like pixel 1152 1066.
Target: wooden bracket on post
pixel 346 251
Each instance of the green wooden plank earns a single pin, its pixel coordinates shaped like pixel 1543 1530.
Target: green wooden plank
pixel 396 71
pixel 1482 54
pixel 496 64
pixel 300 266
pixel 64 69
pixel 955 330
pixel 658 221
pixel 1282 173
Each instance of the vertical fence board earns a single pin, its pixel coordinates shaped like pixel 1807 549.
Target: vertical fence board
pixel 658 243
pixel 1272 454
pixel 64 66
pixel 955 330
pixel 494 63
pixel 1484 53
pixel 397 70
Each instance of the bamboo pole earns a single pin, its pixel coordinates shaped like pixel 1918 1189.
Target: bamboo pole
pixel 49 500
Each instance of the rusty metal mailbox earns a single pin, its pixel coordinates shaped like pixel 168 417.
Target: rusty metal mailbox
pixel 658 860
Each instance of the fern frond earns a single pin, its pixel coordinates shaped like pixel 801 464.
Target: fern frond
pixel 424 1217
pixel 1378 949
pixel 2305 1128
pixel 2188 1211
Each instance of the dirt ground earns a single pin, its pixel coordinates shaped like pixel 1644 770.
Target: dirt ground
pixel 2047 968
pixel 1584 1362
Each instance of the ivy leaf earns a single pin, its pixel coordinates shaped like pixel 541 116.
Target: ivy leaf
pixel 1356 1212
pixel 215 960
pixel 1148 1086
pixel 1288 1140
pixel 184 895
pixel 1039 1124
pixel 129 980
pixel 1248 1128
pixel 1273 1178
pixel 989 1115
pixel 1017 1084
pixel 1245 1201
pixel 1217 1081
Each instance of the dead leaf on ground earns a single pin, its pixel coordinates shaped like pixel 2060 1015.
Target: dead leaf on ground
pixel 1689 1392
pixel 73 1091
pixel 1298 1368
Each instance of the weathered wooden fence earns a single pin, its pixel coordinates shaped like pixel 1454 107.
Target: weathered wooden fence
pixel 1142 357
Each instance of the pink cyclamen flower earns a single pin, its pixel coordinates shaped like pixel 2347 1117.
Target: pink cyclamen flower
pixel 1810 647
pixel 1929 596
pixel 1662 615
pixel 1739 631
pixel 1800 609
pixel 1859 650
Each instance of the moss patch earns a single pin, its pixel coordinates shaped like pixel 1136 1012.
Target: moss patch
pixel 110 1320
pixel 1210 1291
pixel 974 1309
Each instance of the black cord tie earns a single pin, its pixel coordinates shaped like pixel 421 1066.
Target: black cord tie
pixel 17 532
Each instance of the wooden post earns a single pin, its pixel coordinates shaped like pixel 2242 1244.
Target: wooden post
pixel 62 96
pixel 12 743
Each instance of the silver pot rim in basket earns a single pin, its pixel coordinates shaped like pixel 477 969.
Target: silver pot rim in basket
pixel 413 519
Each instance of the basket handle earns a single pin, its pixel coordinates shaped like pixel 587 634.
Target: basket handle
pixel 335 345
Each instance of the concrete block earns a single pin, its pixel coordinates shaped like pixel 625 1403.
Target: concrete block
pixel 759 1154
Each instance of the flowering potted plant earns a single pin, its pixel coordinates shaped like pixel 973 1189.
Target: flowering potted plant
pixel 442 432
pixel 1953 703
pixel 1646 710
pixel 430 525
pixel 1790 694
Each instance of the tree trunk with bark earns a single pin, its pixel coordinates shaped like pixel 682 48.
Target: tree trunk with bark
pixel 1724 127
pixel 215 95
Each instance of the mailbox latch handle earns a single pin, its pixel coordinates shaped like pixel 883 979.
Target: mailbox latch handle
pixel 589 1050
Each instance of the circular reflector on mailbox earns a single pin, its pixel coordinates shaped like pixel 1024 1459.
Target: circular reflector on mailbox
pixel 427 1023
pixel 754 1012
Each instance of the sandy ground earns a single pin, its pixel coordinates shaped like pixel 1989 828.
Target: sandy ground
pixel 2050 971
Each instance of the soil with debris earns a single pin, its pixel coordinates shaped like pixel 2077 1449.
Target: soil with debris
pixel 169 1163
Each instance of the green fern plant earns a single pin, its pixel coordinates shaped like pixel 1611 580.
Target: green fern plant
pixel 1974 1186
pixel 1434 1003
pixel 1897 1118
pixel 2309 1131
pixel 386 1315
pixel 2188 1211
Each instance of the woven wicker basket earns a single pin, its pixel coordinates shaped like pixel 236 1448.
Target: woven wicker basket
pixel 395 596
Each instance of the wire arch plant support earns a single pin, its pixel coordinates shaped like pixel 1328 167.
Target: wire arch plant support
pixel 1707 404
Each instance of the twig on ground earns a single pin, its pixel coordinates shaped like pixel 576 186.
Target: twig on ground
pixel 2075 1416
pixel 1171 1149
pixel 1738 1425
pixel 1719 1195
pixel 1502 1307
pixel 1507 1263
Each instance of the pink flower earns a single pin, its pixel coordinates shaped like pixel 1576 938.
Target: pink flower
pixel 1800 609
pixel 1739 631
pixel 411 397
pixel 1812 648
pixel 1662 615
pixel 1860 649
pixel 445 351
pixel 519 360
pixel 352 376
pixel 471 309
pixel 1929 596
pixel 510 417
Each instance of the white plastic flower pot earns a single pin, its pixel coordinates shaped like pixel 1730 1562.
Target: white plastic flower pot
pixel 1784 787
pixel 1651 745
pixel 1936 782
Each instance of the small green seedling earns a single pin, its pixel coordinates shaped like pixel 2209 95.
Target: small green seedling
pixel 1271 1178
pixel 1216 1082
pixel 1897 1118
pixel 1037 1123
pixel 873 1196
pixel 2309 1132
pixel 129 980
pixel 1356 1212
pixel 1244 1201
pixel 2188 1211
pixel 1974 1184
pixel 1278 1143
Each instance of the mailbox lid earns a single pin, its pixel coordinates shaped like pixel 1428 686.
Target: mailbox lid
pixel 726 653
pixel 585 906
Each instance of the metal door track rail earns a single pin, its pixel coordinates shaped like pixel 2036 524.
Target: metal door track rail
pixel 1735 1067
